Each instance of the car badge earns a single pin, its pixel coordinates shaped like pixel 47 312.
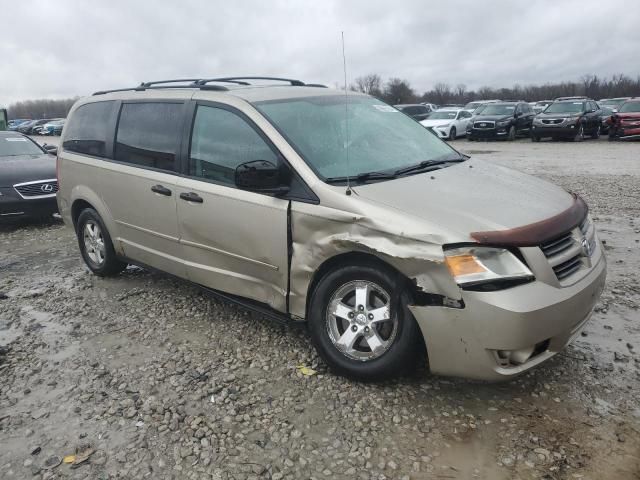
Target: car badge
pixel 47 188
pixel 586 247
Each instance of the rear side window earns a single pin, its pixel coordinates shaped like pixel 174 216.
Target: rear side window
pixel 148 134
pixel 88 129
pixel 220 142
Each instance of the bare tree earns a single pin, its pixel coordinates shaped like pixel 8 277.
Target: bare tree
pixel 41 108
pixel 398 91
pixel 370 84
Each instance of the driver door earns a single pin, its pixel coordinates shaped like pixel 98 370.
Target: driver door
pixel 233 240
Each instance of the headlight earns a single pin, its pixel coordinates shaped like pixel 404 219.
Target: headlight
pixel 486 266
pixel 503 123
pixel 446 125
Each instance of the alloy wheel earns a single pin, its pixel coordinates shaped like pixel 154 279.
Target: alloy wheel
pixel 94 242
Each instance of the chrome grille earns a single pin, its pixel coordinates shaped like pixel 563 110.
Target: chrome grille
pixel 567 253
pixel 37 189
pixel 484 124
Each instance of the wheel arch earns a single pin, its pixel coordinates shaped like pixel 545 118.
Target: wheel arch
pixel 83 198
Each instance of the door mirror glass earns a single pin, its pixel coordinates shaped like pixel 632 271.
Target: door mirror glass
pixel 260 176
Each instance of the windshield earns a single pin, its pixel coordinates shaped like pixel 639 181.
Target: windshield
pixel 630 107
pixel 442 116
pixel 565 107
pixel 497 109
pixel 12 146
pixel 380 138
pixel 613 103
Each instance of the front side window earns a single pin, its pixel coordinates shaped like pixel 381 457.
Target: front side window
pixel 366 136
pixel 148 134
pixel 220 142
pixel 89 128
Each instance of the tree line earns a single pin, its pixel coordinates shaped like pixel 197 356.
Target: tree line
pixel 41 108
pixel 396 90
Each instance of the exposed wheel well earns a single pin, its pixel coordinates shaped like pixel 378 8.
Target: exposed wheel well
pixel 352 258
pixel 77 208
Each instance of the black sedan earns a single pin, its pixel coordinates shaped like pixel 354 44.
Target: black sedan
pixel 28 182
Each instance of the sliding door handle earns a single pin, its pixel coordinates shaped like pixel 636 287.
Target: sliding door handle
pixel 161 190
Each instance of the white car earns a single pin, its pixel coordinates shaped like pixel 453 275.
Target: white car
pixel 449 123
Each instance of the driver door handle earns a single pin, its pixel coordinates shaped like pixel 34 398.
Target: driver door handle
pixel 191 197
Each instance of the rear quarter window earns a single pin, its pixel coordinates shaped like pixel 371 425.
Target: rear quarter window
pixel 89 128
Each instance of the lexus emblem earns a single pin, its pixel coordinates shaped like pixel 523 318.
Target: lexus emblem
pixel 47 188
pixel 483 124
pixel 586 247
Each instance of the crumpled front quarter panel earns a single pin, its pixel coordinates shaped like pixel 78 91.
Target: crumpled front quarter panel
pixel 320 233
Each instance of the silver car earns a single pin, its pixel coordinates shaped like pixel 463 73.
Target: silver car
pixel 312 205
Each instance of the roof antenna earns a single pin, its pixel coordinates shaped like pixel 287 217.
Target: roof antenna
pixel 346 115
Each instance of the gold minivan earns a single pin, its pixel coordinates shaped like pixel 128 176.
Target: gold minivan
pixel 331 208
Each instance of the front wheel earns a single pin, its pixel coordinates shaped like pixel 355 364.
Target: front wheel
pixel 452 133
pixel 580 135
pixel 596 132
pixel 512 133
pixel 360 323
pixel 96 246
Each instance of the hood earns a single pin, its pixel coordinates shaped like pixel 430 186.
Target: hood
pixel 26 168
pixel 542 115
pixel 491 118
pixel 471 196
pixel 435 123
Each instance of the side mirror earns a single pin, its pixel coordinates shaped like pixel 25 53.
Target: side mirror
pixel 517 114
pixel 260 176
pixel 50 149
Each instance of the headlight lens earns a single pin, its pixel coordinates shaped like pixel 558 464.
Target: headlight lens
pixel 504 123
pixel 446 125
pixel 471 266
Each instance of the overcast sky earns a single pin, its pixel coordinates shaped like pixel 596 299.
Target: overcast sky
pixel 63 48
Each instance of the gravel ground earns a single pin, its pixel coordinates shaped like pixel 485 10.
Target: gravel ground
pixel 144 376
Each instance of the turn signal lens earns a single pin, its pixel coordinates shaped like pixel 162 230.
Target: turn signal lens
pixel 465 264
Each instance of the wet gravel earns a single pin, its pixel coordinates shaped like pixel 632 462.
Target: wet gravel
pixel 147 377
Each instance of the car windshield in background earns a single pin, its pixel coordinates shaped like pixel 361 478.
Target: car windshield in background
pixel 630 107
pixel 379 137
pixel 13 146
pixel 494 109
pixel 442 116
pixel 565 107
pixel 472 105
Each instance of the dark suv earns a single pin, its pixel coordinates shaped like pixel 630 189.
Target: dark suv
pixel 417 112
pixel 501 120
pixel 570 118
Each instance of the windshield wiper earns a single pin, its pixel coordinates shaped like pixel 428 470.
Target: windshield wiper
pixel 363 177
pixel 427 165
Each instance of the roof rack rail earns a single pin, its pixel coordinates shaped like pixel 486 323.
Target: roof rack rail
pixel 293 82
pixel 202 83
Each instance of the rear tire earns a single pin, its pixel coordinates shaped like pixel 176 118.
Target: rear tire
pixel 535 138
pixel 346 327
pixel 96 246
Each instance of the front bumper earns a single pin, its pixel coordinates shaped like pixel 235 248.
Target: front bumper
pixel 542 131
pixel 535 321
pixel 13 207
pixel 620 132
pixel 487 133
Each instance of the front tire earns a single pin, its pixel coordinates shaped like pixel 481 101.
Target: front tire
pixel 512 133
pixel 580 135
pixel 596 133
pixel 360 323
pixel 96 246
pixel 453 134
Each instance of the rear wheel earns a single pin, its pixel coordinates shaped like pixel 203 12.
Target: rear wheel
pixel 360 323
pixel 96 246
pixel 535 138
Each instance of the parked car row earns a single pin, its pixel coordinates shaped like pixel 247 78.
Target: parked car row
pixel 573 118
pixel 43 126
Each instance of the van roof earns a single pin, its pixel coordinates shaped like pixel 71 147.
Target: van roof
pixel 279 88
